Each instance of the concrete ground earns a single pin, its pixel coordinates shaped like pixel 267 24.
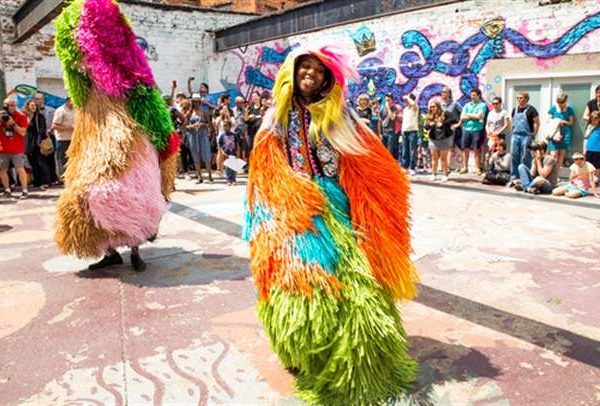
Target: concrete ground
pixel 507 314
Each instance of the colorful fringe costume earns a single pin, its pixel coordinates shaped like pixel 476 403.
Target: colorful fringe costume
pixel 327 222
pixel 123 156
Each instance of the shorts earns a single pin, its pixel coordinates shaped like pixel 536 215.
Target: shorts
pixel 593 157
pixel 472 139
pixel 18 161
pixel 574 188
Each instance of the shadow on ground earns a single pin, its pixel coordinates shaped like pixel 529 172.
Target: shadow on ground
pixel 440 362
pixel 558 340
pixel 174 266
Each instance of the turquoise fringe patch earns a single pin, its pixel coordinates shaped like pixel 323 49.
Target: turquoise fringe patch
pixel 253 220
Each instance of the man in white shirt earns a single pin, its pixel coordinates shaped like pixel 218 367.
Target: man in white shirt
pixel 410 133
pixel 63 124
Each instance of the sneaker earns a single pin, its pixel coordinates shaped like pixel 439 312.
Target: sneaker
pixel 210 180
pixel 444 178
pixel 108 260
pixel 7 194
pixel 433 178
pixel 463 171
pixel 531 190
pixel 518 185
pixel 42 188
pixel 137 263
pixel 479 172
pixel 412 172
pixel 24 195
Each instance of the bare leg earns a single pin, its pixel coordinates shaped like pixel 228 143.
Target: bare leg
pixel 444 158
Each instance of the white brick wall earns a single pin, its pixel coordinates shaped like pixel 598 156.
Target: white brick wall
pixel 175 41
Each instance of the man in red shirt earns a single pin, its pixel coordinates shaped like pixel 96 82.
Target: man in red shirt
pixel 13 126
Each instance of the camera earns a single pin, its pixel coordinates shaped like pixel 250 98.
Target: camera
pixel 4 114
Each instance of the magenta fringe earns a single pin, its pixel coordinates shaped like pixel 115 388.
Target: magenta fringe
pixel 112 57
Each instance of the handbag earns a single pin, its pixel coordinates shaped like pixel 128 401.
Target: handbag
pixel 46 146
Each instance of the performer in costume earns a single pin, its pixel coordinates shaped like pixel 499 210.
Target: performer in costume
pixel 327 222
pixel 123 156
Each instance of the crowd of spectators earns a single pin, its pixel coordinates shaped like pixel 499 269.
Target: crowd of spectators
pixel 212 133
pixel 33 144
pixel 507 148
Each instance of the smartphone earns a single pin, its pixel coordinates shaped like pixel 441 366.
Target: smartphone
pixel 174 83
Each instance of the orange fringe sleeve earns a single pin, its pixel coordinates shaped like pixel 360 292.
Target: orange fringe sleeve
pixel 293 199
pixel 378 192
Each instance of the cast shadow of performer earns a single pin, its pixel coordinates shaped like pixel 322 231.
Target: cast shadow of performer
pixel 174 266
pixel 440 362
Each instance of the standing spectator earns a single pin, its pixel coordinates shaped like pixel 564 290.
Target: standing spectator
pixel 265 99
pixel 591 106
pixel 561 140
pixel 228 145
pixel 203 90
pixel 389 114
pixel 498 172
pixel 592 143
pixel 542 177
pixel 253 118
pixel 438 124
pixel 455 110
pixel 410 132
pixel 36 134
pixel 472 119
pixel 375 122
pixel 525 126
pixel 48 113
pixel 218 124
pixel 224 101
pixel 185 155
pixel 63 125
pixel 199 133
pixel 241 129
pixel 581 179
pixel 13 127
pixel 497 125
pixel 364 110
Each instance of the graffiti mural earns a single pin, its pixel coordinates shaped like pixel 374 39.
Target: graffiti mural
pixel 23 92
pixel 149 50
pixel 491 39
pixel 258 68
pixel 421 62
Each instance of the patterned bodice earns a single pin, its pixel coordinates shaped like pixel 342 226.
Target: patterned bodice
pixel 306 156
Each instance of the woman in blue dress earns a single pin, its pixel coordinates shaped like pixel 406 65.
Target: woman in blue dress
pixel 199 133
pixel 560 142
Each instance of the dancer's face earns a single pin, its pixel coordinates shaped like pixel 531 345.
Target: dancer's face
pixel 310 76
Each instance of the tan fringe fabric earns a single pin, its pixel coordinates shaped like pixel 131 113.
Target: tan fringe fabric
pixel 168 173
pixel 103 147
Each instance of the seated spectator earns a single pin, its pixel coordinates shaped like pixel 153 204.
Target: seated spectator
pixel 543 175
pixel 499 166
pixel 592 143
pixel 581 180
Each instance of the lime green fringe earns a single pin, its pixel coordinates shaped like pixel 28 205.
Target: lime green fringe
pixel 147 107
pixel 78 84
pixel 350 351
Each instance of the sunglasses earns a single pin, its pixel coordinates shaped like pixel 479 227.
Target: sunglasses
pixel 495 104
